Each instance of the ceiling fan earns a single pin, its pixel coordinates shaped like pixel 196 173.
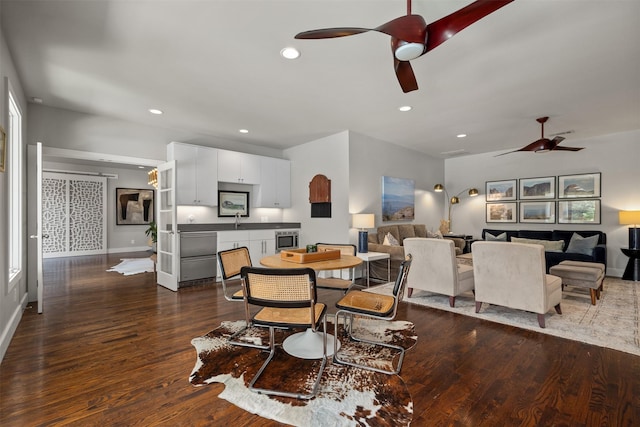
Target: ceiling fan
pixel 411 37
pixel 544 145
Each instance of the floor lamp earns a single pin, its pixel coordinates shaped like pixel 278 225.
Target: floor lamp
pixel 363 222
pixel 631 218
pixel 438 188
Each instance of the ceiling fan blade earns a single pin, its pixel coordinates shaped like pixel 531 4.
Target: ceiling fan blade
pixel 329 33
pixel 444 28
pixel 408 28
pixel 561 148
pixel 555 141
pixel 509 152
pixel 405 75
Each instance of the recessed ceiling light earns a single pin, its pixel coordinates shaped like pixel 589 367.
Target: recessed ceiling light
pixel 243 131
pixel 36 100
pixel 155 111
pixel 461 135
pixel 290 53
pixel 140 167
pixel 405 108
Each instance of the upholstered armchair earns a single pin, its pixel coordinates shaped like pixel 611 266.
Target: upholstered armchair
pixel 513 275
pixel 435 268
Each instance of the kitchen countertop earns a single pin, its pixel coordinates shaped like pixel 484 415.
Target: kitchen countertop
pixel 230 226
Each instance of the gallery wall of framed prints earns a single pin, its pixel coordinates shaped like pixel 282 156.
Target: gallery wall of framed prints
pixel 562 199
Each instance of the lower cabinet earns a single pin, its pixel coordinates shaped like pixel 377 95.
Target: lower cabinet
pixel 260 242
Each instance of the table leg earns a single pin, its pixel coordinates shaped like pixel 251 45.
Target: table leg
pixel 308 344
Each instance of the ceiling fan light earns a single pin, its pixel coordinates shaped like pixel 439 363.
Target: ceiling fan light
pixel 542 150
pixel 408 51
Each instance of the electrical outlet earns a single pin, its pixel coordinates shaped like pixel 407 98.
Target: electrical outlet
pixel 133 242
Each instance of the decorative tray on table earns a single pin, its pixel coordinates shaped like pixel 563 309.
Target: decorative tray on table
pixel 301 256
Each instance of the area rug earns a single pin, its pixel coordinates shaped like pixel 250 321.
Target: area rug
pixel 614 322
pixel 347 396
pixel 130 266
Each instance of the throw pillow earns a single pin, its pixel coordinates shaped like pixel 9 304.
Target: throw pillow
pixel 389 240
pixel 549 245
pixel 502 237
pixel 582 245
pixel 434 234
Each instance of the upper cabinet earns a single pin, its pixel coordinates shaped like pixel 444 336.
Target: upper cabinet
pixel 196 173
pixel 240 168
pixel 274 190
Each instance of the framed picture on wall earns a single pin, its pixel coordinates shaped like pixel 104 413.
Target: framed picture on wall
pixel 501 190
pixel 538 212
pixel 579 211
pixel 398 203
pixel 232 203
pixel 134 206
pixel 585 185
pixel 537 188
pixel 502 212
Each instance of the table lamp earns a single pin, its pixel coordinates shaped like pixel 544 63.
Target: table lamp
pixel 631 218
pixel 363 222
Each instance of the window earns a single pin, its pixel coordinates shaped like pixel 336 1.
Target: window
pixel 14 169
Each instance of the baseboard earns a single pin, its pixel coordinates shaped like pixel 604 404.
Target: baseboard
pixel 12 325
pixel 129 249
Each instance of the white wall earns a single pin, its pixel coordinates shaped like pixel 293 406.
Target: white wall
pixel 355 164
pixel 615 156
pixel 11 302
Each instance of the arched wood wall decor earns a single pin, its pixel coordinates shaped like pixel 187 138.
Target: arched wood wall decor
pixel 320 197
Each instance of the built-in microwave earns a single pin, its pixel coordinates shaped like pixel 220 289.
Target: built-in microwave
pixel 286 239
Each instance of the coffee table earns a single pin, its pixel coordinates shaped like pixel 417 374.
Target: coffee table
pixel 309 344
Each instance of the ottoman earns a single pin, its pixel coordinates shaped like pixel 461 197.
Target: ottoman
pixel 581 274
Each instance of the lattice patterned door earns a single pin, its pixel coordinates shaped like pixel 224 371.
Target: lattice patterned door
pixel 74 214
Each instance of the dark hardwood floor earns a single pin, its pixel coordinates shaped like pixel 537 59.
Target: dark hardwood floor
pixel 115 350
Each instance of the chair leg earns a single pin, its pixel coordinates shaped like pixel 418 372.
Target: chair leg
pixel 409 292
pixel 316 384
pixel 541 320
pixel 558 309
pixel 235 339
pixel 452 301
pixel 478 306
pixel 348 323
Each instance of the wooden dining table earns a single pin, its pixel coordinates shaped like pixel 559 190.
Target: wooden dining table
pixel 309 344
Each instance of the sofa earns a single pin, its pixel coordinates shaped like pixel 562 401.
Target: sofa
pixel 556 244
pixel 399 232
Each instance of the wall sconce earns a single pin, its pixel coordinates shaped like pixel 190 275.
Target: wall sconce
pixel 363 222
pixel 631 218
pixel 439 188
pixel 153 178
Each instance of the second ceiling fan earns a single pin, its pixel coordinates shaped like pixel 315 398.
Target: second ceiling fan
pixel 543 144
pixel 412 37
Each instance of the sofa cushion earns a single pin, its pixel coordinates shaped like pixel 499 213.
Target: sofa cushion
pixel 405 230
pixel 502 237
pixel 582 245
pixel 549 245
pixel 420 230
pixel 434 234
pixel 567 234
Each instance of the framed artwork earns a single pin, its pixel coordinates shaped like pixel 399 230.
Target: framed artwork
pixel 134 206
pixel 501 190
pixel 398 199
pixel 3 148
pixel 537 188
pixel 585 185
pixel 232 203
pixel 579 211
pixel 502 212
pixel 541 212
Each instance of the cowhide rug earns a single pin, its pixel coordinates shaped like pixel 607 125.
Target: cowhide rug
pixel 347 396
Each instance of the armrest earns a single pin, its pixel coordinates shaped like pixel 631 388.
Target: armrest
pixel 396 252
pixel 458 242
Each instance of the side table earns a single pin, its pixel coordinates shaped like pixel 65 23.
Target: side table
pixel 632 272
pixel 367 257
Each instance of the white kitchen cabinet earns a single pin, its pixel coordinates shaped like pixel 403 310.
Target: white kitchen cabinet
pixel 261 244
pixel 274 190
pixel 240 168
pixel 232 239
pixel 196 174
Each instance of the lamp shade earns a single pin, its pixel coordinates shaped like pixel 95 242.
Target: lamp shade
pixel 438 188
pixel 364 221
pixel 629 217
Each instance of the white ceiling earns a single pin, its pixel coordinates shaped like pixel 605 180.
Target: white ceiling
pixel 214 68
